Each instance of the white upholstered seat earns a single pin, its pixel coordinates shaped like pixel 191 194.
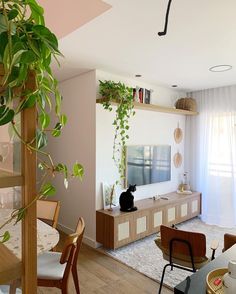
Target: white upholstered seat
pixel 49 266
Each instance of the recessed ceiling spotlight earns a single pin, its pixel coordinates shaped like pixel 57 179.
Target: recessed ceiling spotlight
pixel 174 86
pixel 138 76
pixel 220 68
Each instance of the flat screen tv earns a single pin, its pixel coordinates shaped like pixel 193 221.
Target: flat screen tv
pixel 148 164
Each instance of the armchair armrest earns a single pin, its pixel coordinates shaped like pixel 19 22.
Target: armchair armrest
pixel 214 246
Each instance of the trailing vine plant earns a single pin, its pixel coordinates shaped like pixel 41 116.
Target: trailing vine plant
pixel 111 91
pixel 27 48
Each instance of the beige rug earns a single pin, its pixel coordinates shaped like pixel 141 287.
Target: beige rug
pixel 145 257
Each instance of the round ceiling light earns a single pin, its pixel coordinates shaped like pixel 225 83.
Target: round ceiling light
pixel 220 68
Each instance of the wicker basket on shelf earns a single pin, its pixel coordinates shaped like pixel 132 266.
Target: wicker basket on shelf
pixel 186 104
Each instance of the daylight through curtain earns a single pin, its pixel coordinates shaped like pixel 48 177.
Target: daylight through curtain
pixel 210 154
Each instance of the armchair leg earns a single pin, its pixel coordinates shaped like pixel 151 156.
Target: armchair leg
pixel 162 277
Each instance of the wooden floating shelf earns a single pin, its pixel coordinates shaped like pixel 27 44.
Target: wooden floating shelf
pixel 8 179
pixel 157 108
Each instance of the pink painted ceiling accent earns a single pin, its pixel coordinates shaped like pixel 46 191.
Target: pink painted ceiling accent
pixel 64 17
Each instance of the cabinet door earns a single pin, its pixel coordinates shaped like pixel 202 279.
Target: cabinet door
pixel 156 219
pixel 123 230
pixel 184 211
pixel 141 224
pixel 195 206
pixel 171 216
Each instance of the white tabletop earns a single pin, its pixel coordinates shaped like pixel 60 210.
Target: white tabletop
pixel 47 237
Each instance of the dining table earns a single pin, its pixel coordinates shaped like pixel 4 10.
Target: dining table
pixel 47 237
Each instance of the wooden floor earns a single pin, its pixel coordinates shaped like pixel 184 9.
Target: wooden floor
pixel 101 274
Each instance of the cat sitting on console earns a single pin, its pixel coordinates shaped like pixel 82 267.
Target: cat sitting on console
pixel 127 199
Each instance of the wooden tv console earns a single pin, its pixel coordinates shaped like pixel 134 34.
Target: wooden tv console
pixel 115 228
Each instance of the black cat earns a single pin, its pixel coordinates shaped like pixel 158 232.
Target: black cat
pixel 127 199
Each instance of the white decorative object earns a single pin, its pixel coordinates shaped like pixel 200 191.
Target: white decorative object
pixel 123 231
pixel 109 195
pixel 229 278
pixel 136 96
pixel 141 225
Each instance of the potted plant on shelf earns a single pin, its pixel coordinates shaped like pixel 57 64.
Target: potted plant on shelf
pixel 122 95
pixel 27 48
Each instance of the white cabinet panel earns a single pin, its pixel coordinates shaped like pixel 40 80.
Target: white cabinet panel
pixel 184 209
pixel 157 221
pixel 171 214
pixel 141 224
pixel 194 206
pixel 123 231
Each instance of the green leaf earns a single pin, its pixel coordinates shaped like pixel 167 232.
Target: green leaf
pixel 28 102
pixel 6 236
pixel 48 190
pixel 47 37
pixel 20 215
pixel 63 119
pixel 41 139
pixel 28 57
pixel 3 43
pixel 78 170
pixel 3 25
pixel 57 130
pixel 6 115
pixel 44 119
pixel 12 14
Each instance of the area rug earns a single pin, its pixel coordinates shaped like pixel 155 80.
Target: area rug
pixel 145 257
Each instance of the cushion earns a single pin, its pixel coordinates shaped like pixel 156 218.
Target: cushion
pixel 49 266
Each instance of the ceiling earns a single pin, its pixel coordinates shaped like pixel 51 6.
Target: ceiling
pixel 124 40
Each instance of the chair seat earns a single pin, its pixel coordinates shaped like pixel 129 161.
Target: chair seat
pixel 49 266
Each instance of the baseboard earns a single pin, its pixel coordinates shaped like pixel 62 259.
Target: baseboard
pixel 86 240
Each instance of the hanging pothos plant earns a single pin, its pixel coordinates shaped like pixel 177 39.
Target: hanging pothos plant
pixel 122 95
pixel 27 47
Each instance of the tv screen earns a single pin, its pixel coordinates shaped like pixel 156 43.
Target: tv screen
pixel 148 164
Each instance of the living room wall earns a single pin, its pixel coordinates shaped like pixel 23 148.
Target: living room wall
pixel 77 143
pixel 146 128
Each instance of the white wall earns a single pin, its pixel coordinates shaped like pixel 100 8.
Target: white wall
pixel 147 128
pixel 77 143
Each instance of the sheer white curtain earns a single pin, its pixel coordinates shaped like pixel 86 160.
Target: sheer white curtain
pixel 210 154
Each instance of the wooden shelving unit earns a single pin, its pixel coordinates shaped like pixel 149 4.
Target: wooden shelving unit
pixel 157 108
pixel 12 268
pixel 8 179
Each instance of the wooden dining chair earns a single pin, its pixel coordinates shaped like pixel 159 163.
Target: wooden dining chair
pixel 229 241
pixel 48 210
pixel 182 249
pixel 80 231
pixel 54 267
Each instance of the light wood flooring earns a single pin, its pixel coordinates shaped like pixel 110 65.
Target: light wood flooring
pixel 102 274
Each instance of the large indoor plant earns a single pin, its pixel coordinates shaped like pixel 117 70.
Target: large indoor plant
pixel 122 95
pixel 27 47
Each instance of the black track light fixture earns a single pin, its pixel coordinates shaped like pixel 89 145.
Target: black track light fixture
pixel 166 20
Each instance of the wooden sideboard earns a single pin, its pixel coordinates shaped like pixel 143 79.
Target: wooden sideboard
pixel 115 228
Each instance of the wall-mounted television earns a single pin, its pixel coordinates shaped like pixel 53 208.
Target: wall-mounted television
pixel 148 164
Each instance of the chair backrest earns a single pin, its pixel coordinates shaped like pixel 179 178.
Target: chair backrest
pixel 68 253
pixel 80 231
pixel 48 210
pixel 197 242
